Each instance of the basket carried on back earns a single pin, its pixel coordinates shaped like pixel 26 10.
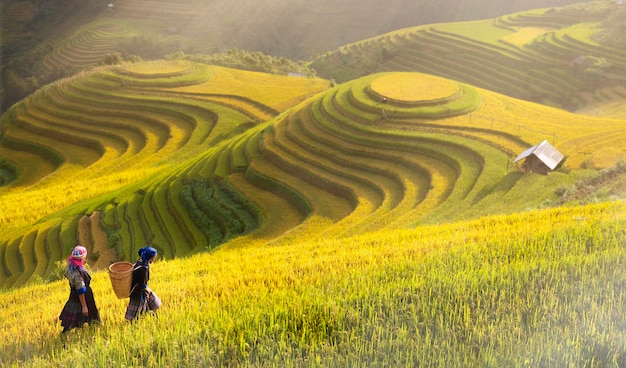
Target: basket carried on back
pixel 121 275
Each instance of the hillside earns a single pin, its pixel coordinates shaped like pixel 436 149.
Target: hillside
pixel 294 29
pixel 375 218
pixel 111 137
pixel 187 157
pixel 542 288
pixel 43 41
pixel 568 57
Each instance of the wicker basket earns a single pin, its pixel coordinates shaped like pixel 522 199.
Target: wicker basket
pixel 121 275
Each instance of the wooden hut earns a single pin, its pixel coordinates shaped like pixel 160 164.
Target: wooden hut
pixel 542 158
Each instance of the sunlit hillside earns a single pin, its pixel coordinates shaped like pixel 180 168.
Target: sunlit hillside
pixel 389 215
pixel 43 41
pixel 187 157
pixel 537 289
pixel 569 57
pixel 294 28
pixel 105 138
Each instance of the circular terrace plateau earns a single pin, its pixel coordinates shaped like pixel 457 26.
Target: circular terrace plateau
pixel 162 73
pixel 414 88
pixel 159 68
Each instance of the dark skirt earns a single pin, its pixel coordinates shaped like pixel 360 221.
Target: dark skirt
pixel 141 303
pixel 72 313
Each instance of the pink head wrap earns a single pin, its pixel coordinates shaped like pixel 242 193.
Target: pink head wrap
pixel 77 259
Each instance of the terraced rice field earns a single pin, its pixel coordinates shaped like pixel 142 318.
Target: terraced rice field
pixel 181 25
pixel 116 139
pixel 187 157
pixel 396 188
pixel 13 17
pixel 88 45
pixel 528 55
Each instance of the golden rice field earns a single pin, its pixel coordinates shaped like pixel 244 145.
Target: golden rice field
pixel 300 224
pixel 413 87
pixel 541 288
pixel 188 141
pixel 528 55
pixel 150 69
pixel 80 102
pixel 524 35
pixel 89 44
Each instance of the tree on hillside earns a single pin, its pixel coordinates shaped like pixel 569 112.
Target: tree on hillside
pixel 14 86
pixel 594 69
pixel 112 59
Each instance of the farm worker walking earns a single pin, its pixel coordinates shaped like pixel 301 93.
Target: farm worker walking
pixel 80 308
pixel 142 299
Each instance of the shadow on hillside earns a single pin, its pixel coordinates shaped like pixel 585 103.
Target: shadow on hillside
pixel 502 186
pixel 240 129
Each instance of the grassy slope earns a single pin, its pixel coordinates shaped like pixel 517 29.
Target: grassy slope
pixel 160 115
pixel 44 42
pixel 542 288
pixel 526 55
pixel 328 150
pixel 435 295
pixel 290 28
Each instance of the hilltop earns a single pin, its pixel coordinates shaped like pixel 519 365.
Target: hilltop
pixel 43 41
pixel 569 57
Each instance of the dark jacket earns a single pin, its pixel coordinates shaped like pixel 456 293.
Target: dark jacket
pixel 141 275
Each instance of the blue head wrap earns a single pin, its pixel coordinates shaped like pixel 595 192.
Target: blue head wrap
pixel 146 254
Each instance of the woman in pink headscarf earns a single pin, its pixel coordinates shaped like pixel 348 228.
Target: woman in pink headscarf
pixel 80 308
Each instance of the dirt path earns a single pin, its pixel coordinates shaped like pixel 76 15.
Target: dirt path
pixel 91 236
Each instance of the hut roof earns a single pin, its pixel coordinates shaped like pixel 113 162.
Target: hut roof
pixel 545 152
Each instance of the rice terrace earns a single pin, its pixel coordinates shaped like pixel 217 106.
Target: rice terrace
pixel 449 194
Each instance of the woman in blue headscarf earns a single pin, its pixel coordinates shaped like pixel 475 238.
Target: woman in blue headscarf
pixel 142 299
